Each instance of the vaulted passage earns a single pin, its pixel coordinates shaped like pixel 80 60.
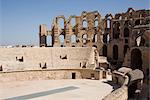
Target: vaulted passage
pixel 115 52
pixel 136 59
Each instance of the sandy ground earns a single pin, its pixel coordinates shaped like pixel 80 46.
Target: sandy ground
pixel 79 89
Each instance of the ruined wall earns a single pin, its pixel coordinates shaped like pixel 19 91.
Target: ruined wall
pixel 144 51
pixel 122 92
pixel 119 94
pixel 123 29
pixel 48 74
pixel 85 31
pixel 52 58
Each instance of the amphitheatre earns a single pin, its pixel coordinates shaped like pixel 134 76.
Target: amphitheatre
pixel 95 58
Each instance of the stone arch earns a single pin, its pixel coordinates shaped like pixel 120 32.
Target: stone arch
pixel 60 20
pixel 126 47
pixel 73 22
pixel 73 38
pixel 115 52
pixel 84 38
pixel 116 30
pixel 95 38
pixel 108 18
pixel 136 59
pixel 105 50
pixel 96 22
pixel 126 32
pixel 108 23
pixel 49 40
pixel 61 40
pixel 85 23
pixel 106 38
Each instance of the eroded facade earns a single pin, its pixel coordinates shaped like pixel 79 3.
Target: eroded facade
pixel 76 31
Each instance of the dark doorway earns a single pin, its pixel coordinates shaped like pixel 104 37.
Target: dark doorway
pixel 136 59
pixel 73 75
pixel 105 50
pixel 115 52
pixel 126 32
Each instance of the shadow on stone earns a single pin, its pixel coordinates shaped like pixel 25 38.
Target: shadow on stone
pixel 44 93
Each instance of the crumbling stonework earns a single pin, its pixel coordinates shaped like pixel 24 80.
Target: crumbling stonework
pixel 126 31
pixel 113 36
pixel 86 31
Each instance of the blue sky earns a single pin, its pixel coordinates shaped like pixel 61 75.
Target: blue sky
pixel 20 19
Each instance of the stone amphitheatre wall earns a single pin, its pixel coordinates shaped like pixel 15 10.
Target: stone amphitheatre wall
pixel 49 74
pixel 52 58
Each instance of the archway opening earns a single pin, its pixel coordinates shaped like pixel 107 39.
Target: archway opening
pixel 116 30
pixel 115 52
pixel 95 38
pixel 96 23
pixel 73 22
pixel 84 38
pixel 136 59
pixel 73 38
pixel 105 50
pixel 108 23
pixel 61 39
pixel 49 40
pixel 126 32
pixel 85 24
pixel 61 23
pixel 106 38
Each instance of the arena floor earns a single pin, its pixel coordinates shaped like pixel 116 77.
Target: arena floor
pixel 78 89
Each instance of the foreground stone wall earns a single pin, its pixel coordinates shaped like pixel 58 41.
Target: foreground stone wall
pixel 122 92
pixel 52 58
pixel 49 74
pixel 119 94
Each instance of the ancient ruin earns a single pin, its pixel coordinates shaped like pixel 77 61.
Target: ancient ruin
pixel 89 46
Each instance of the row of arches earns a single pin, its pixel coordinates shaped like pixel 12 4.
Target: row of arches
pixel 72 21
pixel 136 55
pixel 115 51
pixel 73 39
pixel 85 23
pixel 116 28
